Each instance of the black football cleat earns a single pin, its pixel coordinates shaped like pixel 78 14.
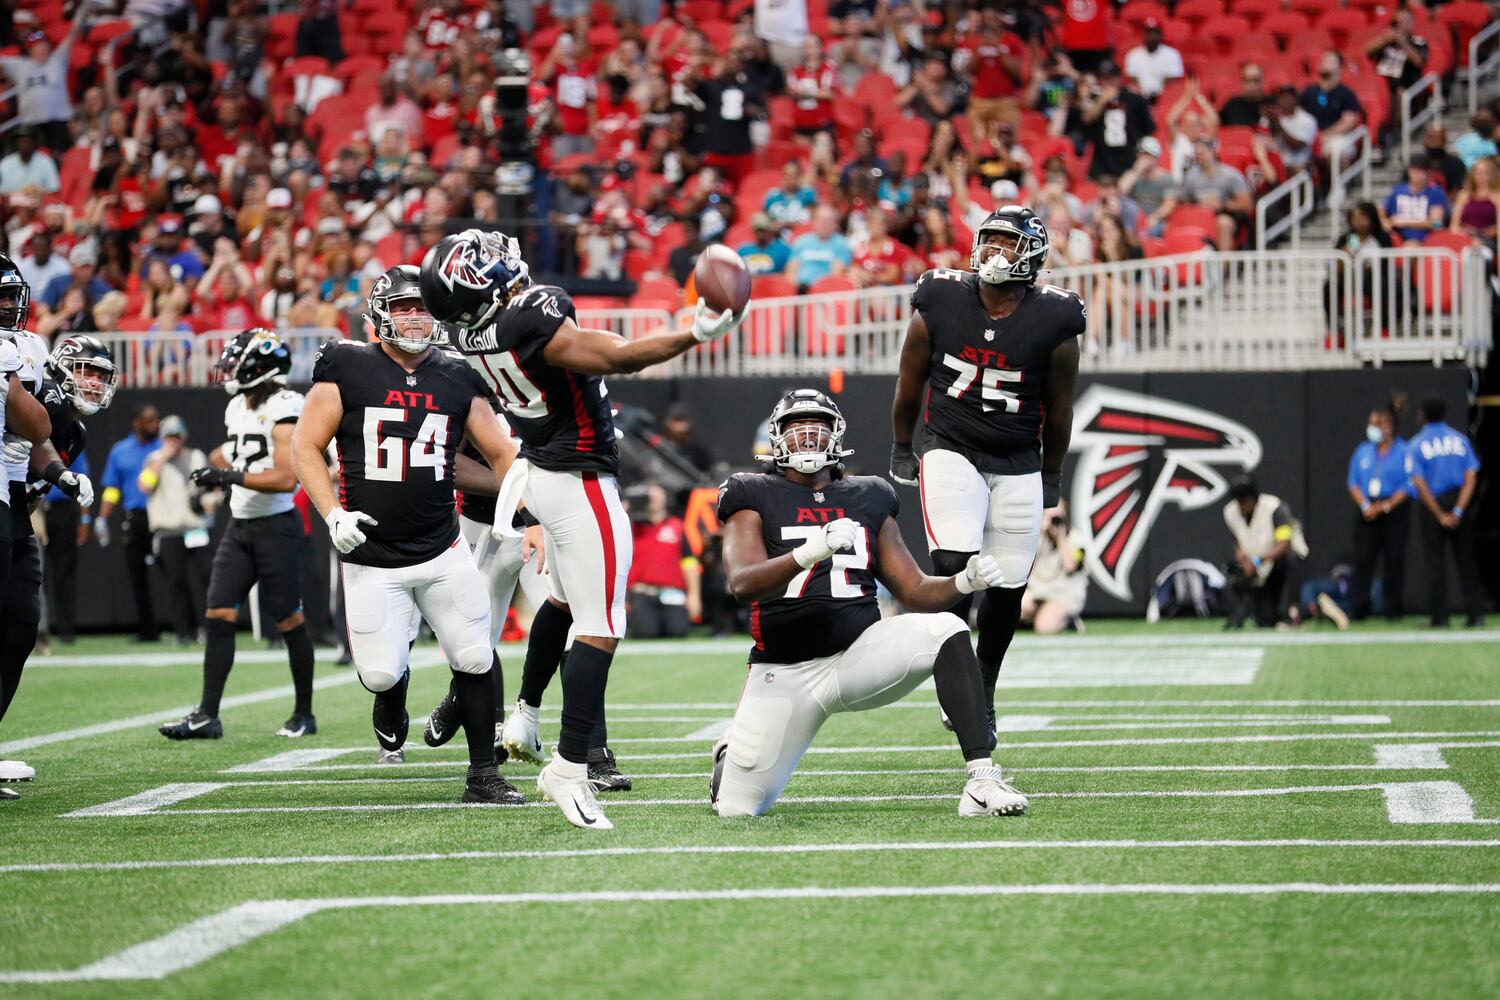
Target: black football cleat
pixel 194 726
pixel 298 726
pixel 492 790
pixel 391 732
pixel 603 774
pixel 443 722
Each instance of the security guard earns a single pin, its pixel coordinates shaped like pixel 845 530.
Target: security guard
pixel 1443 470
pixel 1379 487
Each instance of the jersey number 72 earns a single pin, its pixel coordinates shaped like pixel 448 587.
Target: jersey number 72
pixel 838 573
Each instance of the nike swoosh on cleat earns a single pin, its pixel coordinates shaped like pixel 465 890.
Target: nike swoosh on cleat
pixel 193 728
pixel 581 814
pixel 388 739
pixel 977 802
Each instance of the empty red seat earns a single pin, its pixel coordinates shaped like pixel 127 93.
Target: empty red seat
pixel 828 319
pixel 1226 30
pixel 1195 12
pixel 1341 23
pixel 1192 217
pixel 1464 19
pixel 1138 12
pixel 1284 23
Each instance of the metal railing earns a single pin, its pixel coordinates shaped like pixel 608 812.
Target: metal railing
pixel 169 359
pixel 1360 156
pixel 1299 197
pixel 1410 122
pixel 1476 71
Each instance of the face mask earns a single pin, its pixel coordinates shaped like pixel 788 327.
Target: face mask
pixel 1374 434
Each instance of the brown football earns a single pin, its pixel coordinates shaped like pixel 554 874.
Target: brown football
pixel 722 279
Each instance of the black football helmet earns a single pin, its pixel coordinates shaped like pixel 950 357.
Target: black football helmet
pixel 256 356
pixel 413 333
pixel 469 277
pixel 85 371
pixel 15 298
pixel 807 448
pixel 1011 244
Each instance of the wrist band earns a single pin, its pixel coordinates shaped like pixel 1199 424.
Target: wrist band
pixel 53 473
pixel 234 476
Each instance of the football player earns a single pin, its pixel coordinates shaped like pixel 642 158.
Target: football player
pixel 998 356
pixel 264 540
pixel 546 371
pixel 804 546
pixel 397 410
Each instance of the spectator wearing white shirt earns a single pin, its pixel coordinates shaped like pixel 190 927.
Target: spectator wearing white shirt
pixel 28 168
pixel 1152 63
pixel 42 265
pixel 1293 129
pixel 41 77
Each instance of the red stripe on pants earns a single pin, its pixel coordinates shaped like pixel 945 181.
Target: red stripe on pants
pixel 595 494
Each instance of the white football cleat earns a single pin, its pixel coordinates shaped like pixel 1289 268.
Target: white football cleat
pixel 567 784
pixel 397 756
pixel 522 736
pixel 989 794
pixel 16 770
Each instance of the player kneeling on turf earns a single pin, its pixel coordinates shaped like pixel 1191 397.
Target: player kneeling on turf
pixel 804 547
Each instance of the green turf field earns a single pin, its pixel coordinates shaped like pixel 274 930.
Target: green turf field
pixel 1258 814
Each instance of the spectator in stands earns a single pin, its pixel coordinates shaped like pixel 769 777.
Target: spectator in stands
pixel 393 110
pixel 792 203
pixel 1399 54
pixel 570 75
pixel 1114 241
pixel 180 533
pixel 84 277
pixel 1479 142
pixel 1002 156
pixel 208 226
pixel 223 298
pixel 108 312
pixel 1112 201
pixel 936 244
pixel 122 489
pixel 932 95
pixel 1334 107
pixel 1153 63
pixel 27 169
pixel 1365 233
pixel 820 253
pixel 1222 189
pixel 415 66
pixel 814 85
pixel 682 259
pixel 41 81
pixel 664 585
pixel 1293 128
pixel 318 32
pixel 1191 120
pixel 721 130
pixel 1053 89
pixel 883 260
pixel 1416 206
pixel 1248 107
pixel 1070 244
pixel 166 246
pixel 1449 168
pixel 767 253
pixel 1478 203
pixel 41 266
pixel 278 299
pixel 70 316
pixel 993 60
pixel 864 161
pixel 1115 119
pixel 678 427
pixel 1150 185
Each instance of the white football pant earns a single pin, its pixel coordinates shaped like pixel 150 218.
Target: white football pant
pixel 500 562
pixel 965 510
pixel 588 543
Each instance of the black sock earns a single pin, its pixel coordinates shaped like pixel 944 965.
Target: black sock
pixel 599 735
pixel 955 674
pixel 584 678
pixel 497 678
pixel 16 644
pixel 476 710
pixel 544 650
pixel 389 714
pixel 299 654
pixel 218 660
pixel 999 614
pixel 948 563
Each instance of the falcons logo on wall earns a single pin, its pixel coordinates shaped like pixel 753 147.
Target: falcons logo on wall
pixel 1136 454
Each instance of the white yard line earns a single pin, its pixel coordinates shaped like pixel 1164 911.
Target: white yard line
pixel 197 942
pixel 1154 741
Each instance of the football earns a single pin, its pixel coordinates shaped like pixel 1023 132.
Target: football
pixel 722 279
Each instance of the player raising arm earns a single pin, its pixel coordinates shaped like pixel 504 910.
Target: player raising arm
pixel 804 547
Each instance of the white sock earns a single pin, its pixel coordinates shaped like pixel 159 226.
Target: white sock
pixel 978 762
pixel 567 769
pixel 531 714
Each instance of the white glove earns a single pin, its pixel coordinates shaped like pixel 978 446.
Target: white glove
pixel 343 525
pixel 16 449
pixel 77 486
pixel 837 536
pixel 101 531
pixel 709 326
pixel 982 573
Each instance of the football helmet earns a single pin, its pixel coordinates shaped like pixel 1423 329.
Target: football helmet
pixel 85 371
pixel 412 332
pixel 469 277
pixel 254 357
pixel 807 448
pixel 1011 244
pixel 15 298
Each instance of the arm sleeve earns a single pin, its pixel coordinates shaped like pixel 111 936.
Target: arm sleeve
pixel 326 364
pixel 734 496
pixel 1471 458
pixel 287 407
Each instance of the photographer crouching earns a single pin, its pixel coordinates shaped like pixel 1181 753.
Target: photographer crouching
pixel 1268 543
pixel 1058 586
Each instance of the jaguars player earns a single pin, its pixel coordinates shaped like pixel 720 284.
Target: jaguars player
pixel 397 409
pixel 804 546
pixel 546 371
pixel 997 355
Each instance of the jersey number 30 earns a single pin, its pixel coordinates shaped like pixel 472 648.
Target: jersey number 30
pixel 838 573
pixel 387 459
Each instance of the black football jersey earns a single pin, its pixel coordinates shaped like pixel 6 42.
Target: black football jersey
pixel 826 608
pixel 984 393
pixel 68 434
pixel 562 418
pixel 396 444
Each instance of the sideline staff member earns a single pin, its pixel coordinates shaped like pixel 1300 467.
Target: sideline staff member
pixel 1444 470
pixel 1379 487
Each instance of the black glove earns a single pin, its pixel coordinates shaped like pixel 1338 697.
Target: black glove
pixel 211 478
pixel 904 469
pixel 1051 489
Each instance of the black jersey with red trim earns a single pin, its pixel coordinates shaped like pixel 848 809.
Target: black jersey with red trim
pixel 984 393
pixel 396 443
pixel 68 433
pixel 825 609
pixel 562 418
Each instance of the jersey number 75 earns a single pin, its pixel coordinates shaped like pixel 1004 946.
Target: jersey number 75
pixel 989 383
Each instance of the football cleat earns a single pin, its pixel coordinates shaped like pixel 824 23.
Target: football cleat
pixel 16 770
pixel 1333 612
pixel 193 726
pixel 567 784
pixel 298 725
pixel 521 736
pixel 443 722
pixel 390 732
pixel 7 794
pixel 493 790
pixel 989 794
pixel 397 756
pixel 721 750
pixel 603 774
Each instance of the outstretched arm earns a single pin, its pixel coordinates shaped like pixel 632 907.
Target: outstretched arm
pixel 597 352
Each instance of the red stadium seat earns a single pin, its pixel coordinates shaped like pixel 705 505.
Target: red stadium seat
pixel 702 10
pixel 754 186
pixel 1192 217
pixel 1255 10
pixel 1284 23
pixel 1226 30
pixel 1138 12
pixel 1312 8
pixel 659 288
pixel 101 32
pixel 1341 23
pixel 1195 12
pixel 769 324
pixel 827 320
pixel 281 37
pixel 875 91
pixel 353 66
pixel 597 303
pixel 1464 19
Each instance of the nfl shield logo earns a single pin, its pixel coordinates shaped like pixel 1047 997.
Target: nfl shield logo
pixel 989 335
pixel 817 498
pixel 411 380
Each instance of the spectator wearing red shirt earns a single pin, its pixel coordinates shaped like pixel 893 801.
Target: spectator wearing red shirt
pixel 664 585
pixel 574 93
pixel 1087 32
pixel 393 110
pixel 222 298
pixel 440 118
pixel 814 85
pixel 443 23
pixel 992 58
pixel 616 116
pixel 223 139
pixel 883 261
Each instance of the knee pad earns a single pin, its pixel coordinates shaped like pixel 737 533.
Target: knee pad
pixel 474 660
pixel 944 625
pixel 946 562
pixel 755 737
pixel 378 678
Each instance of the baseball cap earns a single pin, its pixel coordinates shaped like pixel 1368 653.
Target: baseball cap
pixel 1005 191
pixel 278 198
pixel 1150 146
pixel 1418 161
pixel 761 221
pixel 172 426
pixel 83 256
pixel 169 223
pixel 1151 24
pixel 207 204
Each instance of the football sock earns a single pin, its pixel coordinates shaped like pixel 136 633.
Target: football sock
pixel 218 660
pixel 16 644
pixel 476 708
pixel 497 679
pixel 599 735
pixel 955 674
pixel 999 614
pixel 299 653
pixel 948 563
pixel 584 677
pixel 389 710
pixel 544 650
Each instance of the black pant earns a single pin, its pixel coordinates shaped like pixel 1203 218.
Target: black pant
pixel 1382 539
pixel 62 568
pixel 1264 600
pixel 136 546
pixel 651 619
pixel 186 573
pixel 319 36
pixel 1461 538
